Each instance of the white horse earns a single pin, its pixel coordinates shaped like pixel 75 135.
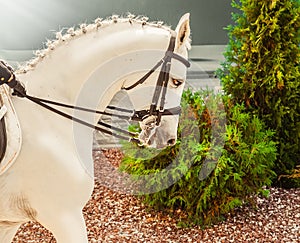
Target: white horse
pixel 50 181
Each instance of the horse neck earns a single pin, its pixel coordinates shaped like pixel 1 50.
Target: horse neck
pixel 61 73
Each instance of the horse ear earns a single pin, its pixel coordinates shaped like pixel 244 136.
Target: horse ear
pixel 183 31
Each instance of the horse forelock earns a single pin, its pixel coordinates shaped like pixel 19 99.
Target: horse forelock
pixel 66 35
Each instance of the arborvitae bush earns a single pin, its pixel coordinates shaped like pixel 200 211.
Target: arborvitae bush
pixel 222 157
pixel 262 71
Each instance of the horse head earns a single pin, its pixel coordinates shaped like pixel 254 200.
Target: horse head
pixel 159 122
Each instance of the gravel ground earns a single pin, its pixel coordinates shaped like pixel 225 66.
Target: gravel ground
pixel 115 217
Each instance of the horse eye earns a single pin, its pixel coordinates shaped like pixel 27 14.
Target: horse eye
pixel 177 82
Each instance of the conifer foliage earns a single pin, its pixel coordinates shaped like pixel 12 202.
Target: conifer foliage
pixel 262 71
pixel 223 157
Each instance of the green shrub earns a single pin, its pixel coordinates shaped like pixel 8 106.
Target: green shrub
pixel 262 71
pixel 222 157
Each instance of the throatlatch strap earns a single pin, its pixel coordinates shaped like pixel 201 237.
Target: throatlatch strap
pixel 168 55
pixel 145 77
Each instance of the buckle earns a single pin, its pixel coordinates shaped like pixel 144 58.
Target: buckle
pixel 140 115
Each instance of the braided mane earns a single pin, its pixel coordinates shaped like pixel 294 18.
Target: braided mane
pixel 64 36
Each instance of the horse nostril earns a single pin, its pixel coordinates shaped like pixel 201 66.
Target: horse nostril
pixel 171 141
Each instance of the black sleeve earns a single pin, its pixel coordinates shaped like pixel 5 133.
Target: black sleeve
pixel 6 72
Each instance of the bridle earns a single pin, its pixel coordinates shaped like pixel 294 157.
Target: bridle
pixel 150 117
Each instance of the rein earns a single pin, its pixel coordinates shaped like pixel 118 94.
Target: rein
pixel 152 115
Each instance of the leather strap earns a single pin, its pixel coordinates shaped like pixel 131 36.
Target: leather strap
pixel 161 85
pixel 3 134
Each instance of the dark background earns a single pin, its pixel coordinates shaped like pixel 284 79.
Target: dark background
pixel 27 24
